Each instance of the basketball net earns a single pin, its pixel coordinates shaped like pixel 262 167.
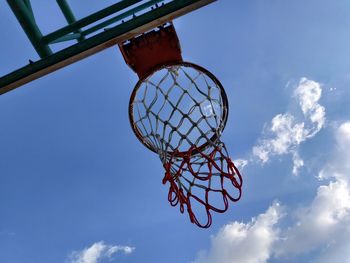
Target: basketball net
pixel 179 110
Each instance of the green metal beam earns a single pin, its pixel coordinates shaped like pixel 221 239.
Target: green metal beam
pixel 121 16
pixel 68 37
pixel 68 14
pixel 89 20
pixel 66 10
pixel 111 37
pixel 24 14
pixel 29 6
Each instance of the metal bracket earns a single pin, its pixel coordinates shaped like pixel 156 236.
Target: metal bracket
pixel 134 18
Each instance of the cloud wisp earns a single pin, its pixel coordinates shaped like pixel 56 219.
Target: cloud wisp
pixel 286 132
pixel 98 252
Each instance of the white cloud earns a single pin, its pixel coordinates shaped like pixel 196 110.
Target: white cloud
pixel 339 165
pixel 309 93
pixel 241 163
pixel 297 162
pixel 338 250
pixel 98 252
pixel 323 225
pixel 244 243
pixel 319 224
pixel 343 135
pixel 286 132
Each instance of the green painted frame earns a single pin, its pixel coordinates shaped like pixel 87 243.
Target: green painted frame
pixel 134 17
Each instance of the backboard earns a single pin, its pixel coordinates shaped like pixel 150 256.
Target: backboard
pixel 125 19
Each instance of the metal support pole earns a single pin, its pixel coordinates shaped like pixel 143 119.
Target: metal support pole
pixel 68 14
pixel 26 18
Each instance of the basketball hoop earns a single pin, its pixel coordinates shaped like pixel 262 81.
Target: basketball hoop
pixel 186 102
pixel 179 110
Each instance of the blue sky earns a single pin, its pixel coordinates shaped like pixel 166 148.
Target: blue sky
pixel 76 185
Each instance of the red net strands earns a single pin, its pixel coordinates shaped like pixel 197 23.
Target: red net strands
pixel 206 181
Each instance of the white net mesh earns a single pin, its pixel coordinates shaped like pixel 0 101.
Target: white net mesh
pixel 177 107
